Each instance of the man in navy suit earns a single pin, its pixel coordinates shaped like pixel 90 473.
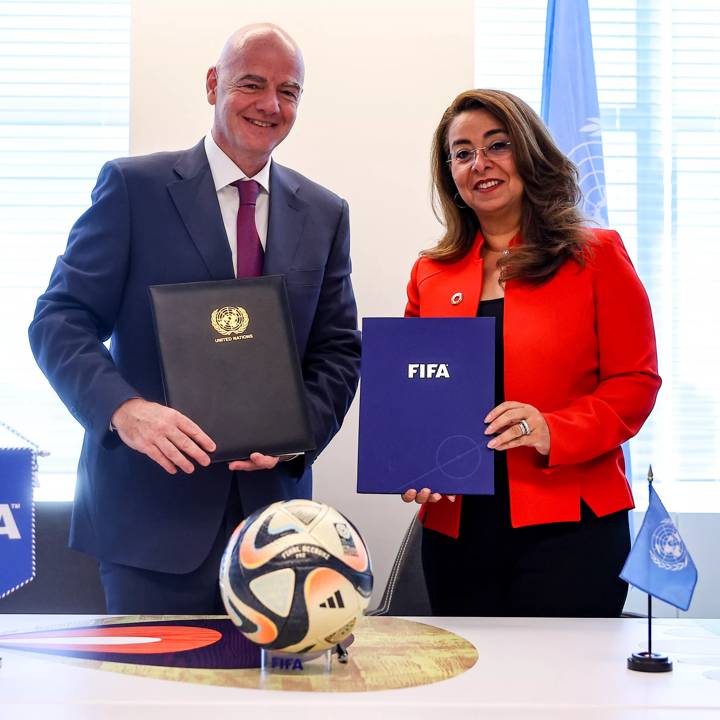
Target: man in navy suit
pixel 149 505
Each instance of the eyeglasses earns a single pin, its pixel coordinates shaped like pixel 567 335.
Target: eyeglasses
pixel 468 156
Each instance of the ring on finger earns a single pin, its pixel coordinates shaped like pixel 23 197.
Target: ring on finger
pixel 524 427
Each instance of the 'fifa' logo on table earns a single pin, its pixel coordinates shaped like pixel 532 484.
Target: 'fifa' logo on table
pixel 289 663
pixel 8 526
pixel 428 371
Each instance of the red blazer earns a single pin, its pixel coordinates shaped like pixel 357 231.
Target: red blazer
pixel 581 349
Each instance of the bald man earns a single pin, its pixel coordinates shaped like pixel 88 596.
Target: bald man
pixel 149 505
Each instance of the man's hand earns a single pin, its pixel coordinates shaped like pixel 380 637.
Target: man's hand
pixel 256 461
pixel 163 434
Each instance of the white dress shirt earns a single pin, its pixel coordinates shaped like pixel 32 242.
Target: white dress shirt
pixel 225 171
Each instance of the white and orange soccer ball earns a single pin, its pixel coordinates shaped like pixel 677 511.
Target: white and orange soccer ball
pixel 296 576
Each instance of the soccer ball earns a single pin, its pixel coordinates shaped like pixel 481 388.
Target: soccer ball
pixel 296 576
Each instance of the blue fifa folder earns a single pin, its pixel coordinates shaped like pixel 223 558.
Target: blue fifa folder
pixel 426 386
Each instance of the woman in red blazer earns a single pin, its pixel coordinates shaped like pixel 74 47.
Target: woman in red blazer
pixel 576 341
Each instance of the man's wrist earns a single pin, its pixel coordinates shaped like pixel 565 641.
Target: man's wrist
pixel 113 425
pixel 288 457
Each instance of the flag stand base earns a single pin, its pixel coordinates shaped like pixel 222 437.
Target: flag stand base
pixel 649 662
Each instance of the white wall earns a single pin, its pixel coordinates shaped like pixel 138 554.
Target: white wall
pixel 378 77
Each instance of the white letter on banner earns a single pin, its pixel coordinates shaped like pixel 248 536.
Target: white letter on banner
pixel 412 369
pixel 8 526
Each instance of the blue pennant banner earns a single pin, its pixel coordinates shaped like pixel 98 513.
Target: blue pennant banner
pixel 17 519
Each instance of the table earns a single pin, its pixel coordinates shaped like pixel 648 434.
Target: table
pixel 527 668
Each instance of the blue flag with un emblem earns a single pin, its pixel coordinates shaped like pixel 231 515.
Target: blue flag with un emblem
pixel 571 110
pixel 659 563
pixel 570 106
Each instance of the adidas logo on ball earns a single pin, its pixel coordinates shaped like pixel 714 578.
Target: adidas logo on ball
pixel 334 601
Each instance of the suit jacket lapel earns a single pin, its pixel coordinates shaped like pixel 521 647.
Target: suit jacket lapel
pixel 196 200
pixel 456 289
pixel 287 217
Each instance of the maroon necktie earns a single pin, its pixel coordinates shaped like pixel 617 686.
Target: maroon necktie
pixel 249 257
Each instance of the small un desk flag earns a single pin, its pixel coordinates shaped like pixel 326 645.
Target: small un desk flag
pixel 660 565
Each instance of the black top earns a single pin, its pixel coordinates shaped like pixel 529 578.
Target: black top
pixel 495 308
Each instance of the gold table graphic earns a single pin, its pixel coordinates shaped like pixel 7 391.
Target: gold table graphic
pixel 387 653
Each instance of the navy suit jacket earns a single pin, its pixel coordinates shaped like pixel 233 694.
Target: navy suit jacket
pixel 154 220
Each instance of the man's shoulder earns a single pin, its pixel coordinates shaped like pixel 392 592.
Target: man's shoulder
pixel 309 190
pixel 157 163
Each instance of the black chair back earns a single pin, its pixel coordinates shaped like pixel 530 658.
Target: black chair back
pixel 65 581
pixel 405 592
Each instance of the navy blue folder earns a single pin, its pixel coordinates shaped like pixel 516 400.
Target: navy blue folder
pixel 427 384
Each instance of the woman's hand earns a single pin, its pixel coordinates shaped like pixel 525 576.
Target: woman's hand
pixel 515 424
pixel 424 496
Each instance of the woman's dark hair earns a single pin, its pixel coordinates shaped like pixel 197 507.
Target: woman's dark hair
pixel 552 226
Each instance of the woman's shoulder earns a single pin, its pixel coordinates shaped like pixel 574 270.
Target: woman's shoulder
pixel 604 236
pixel 604 244
pixel 606 252
pixel 425 267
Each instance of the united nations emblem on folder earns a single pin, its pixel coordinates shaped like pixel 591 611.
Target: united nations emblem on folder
pixel 230 320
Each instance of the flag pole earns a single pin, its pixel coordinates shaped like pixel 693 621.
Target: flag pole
pixel 647 660
pixel 650 478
